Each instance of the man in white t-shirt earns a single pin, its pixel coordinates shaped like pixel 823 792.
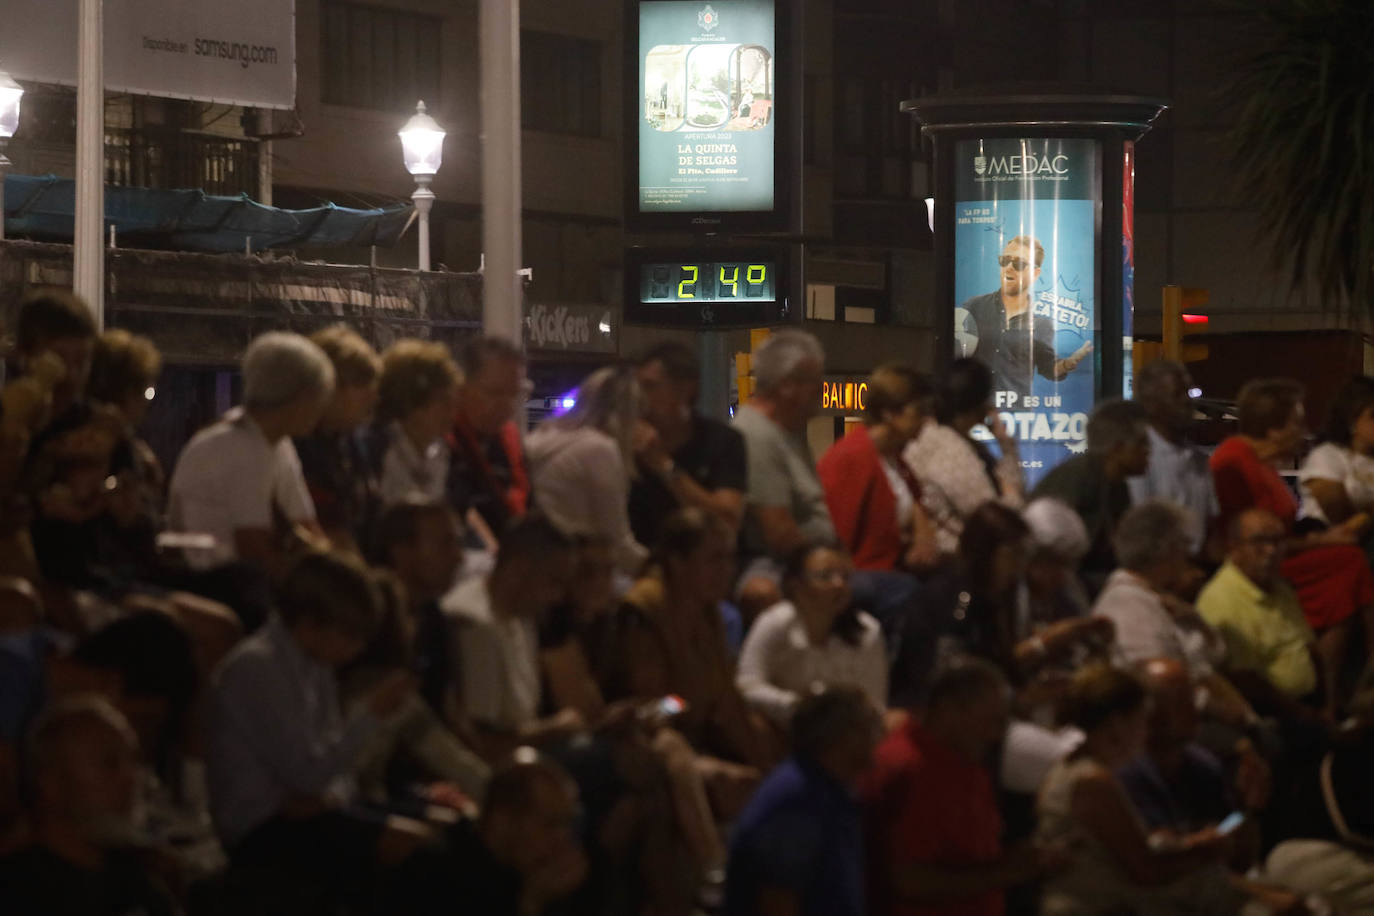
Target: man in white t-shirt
pixel 240 480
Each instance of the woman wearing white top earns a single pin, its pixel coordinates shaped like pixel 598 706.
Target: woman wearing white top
pixel 956 472
pixel 1338 476
pixel 581 464
pixel 817 637
pixel 416 396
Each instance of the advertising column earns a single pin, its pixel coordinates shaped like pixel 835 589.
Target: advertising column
pixel 1025 282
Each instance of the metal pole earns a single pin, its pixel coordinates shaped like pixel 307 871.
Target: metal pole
pixel 4 167
pixel 424 202
pixel 502 298
pixel 88 254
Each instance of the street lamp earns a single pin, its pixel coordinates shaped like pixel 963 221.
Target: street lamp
pixel 422 143
pixel 10 94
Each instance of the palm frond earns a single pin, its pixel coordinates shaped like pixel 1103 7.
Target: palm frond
pixel 1301 147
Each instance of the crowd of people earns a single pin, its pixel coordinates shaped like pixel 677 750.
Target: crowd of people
pixel 369 648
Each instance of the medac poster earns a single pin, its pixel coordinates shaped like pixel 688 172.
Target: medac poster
pixel 1025 283
pixel 707 96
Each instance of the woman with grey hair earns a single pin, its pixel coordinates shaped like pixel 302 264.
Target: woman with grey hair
pixel 581 463
pixel 239 481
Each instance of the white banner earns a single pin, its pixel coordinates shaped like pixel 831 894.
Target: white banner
pixel 240 52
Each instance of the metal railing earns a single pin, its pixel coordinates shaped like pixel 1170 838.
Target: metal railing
pixel 161 157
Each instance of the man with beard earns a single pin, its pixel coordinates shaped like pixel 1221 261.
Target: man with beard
pixel 1012 341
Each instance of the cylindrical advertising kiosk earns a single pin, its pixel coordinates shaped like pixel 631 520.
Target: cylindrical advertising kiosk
pixel 1034 258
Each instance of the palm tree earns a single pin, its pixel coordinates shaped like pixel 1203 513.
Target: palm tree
pixel 1303 143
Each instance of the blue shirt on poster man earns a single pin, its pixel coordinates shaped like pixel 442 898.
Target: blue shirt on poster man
pixel 801 832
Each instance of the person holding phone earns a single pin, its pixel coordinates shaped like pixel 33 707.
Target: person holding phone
pixel 1117 867
pixel 1179 787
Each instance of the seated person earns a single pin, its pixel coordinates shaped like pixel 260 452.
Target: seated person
pixel 86 534
pixel 1270 649
pixel 933 829
pixel 1178 787
pixel 83 758
pixel 684 458
pixel 1338 475
pixel 144 664
pixel 1094 483
pixel 797 847
pixel 1151 622
pixel 240 481
pixel 873 497
pixel 1059 541
pixel 1083 805
pixel 669 638
pixel 520 857
pixel 1178 471
pixel 488 481
pixel 416 393
pixel 281 754
pixel 334 461
pixel 817 636
pixel 643 742
pixel 495 622
pixel 957 473
pixel 784 503
pixel 414 742
pixel 1326 567
pixel 972 608
pixel 493 628
pixel 421 543
pixel 582 463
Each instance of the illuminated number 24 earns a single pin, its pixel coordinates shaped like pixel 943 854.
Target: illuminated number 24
pixel 683 291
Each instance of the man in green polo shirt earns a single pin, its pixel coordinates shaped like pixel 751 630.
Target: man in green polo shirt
pixel 1268 643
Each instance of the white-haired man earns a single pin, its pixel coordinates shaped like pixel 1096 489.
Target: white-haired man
pixel 240 480
pixel 785 504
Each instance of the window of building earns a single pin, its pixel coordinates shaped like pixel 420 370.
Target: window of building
pixel 560 84
pixel 378 58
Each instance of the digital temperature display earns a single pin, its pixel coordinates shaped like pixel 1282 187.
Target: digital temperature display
pixel 708 281
pixel 712 286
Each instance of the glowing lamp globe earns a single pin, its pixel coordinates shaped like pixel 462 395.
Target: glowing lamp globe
pixel 422 143
pixel 10 94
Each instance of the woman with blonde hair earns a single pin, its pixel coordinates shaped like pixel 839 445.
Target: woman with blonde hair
pixel 582 462
pixel 416 394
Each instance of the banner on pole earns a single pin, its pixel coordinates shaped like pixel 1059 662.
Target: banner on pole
pixel 241 53
pixel 1025 283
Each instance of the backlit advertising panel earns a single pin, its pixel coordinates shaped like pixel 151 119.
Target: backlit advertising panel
pixel 707 113
pixel 1025 281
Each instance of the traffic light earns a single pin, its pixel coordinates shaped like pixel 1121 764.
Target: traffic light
pixel 744 367
pixel 1183 315
pixel 1144 352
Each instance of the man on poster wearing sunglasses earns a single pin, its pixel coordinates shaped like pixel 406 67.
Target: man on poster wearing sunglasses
pixel 1012 341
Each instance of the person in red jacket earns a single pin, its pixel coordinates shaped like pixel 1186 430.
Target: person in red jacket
pixel 874 500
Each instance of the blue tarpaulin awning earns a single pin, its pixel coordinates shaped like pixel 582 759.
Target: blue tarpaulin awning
pixel 42 207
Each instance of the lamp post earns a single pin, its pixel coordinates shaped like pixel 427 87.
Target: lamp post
pixel 10 94
pixel 422 144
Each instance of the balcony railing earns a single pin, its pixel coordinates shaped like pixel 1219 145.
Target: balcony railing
pixel 159 157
